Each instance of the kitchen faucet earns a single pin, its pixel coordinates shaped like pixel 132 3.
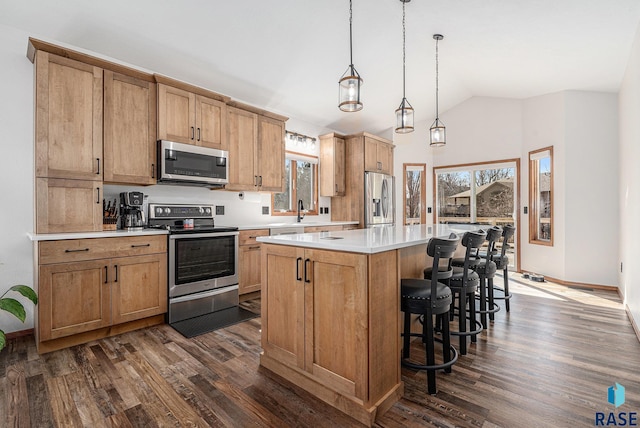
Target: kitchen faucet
pixel 300 209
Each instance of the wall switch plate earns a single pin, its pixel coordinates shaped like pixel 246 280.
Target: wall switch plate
pixel 265 210
pixel 526 210
pixel 219 209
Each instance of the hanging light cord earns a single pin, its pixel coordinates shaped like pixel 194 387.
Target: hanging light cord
pixel 403 52
pixel 351 32
pixel 437 78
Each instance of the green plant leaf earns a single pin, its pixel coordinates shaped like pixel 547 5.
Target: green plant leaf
pixel 27 292
pixel 3 340
pixel 14 307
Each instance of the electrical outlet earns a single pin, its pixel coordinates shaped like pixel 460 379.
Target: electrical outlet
pixel 526 210
pixel 219 209
pixel 265 210
pixel 428 210
pixel 326 210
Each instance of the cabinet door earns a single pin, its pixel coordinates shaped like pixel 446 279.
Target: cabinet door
pixel 68 205
pixel 385 157
pixel 129 129
pixel 243 135
pixel 332 167
pixel 249 273
pixel 68 118
pixel 283 320
pixel 211 123
pixel 73 298
pixel 139 287
pixel 176 115
pixel 336 324
pixel 270 154
pixel 371 162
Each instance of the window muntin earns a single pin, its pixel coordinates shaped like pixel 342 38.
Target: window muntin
pixel 541 196
pixel 301 183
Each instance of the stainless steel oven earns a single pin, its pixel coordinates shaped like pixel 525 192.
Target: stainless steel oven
pixel 203 273
pixel 202 260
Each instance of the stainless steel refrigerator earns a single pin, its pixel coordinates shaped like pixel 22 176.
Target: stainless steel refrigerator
pixel 379 201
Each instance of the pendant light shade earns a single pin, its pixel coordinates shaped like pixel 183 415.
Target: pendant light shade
pixel 349 85
pixel 437 133
pixel 404 113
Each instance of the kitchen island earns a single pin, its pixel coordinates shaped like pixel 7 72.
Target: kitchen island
pixel 331 311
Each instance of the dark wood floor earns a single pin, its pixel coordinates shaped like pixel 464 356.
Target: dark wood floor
pixel 548 363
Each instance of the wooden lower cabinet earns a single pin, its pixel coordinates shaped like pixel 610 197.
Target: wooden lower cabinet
pixel 82 298
pixel 330 324
pixel 249 252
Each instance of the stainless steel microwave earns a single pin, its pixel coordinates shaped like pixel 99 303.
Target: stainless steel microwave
pixel 183 163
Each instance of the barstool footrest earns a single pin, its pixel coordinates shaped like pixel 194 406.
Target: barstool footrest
pixel 434 367
pixel 507 297
pixel 477 331
pixel 493 310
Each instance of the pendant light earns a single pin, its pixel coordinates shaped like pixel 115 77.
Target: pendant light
pixel 350 82
pixel 404 113
pixel 437 134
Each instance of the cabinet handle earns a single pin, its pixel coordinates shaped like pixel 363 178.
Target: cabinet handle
pixel 98 200
pixel 106 274
pixel 336 187
pixel 306 263
pixel 298 277
pixel 116 280
pixel 255 247
pixel 253 237
pixel 255 180
pixel 193 132
pixel 140 245
pixel 153 170
pixel 98 173
pixel 76 251
pixel 198 134
pixel 260 180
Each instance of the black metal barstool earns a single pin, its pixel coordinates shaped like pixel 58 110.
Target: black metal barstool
pixel 486 269
pixel 464 283
pixel 502 263
pixel 430 298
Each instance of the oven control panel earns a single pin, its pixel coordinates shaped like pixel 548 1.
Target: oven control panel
pixel 164 211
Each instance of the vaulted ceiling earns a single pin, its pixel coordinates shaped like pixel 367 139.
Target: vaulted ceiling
pixel 287 55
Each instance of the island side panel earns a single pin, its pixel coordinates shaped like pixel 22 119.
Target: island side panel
pixel 384 327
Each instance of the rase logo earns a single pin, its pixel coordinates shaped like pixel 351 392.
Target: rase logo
pixel 615 396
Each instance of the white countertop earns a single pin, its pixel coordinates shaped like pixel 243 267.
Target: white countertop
pixel 369 241
pixel 103 234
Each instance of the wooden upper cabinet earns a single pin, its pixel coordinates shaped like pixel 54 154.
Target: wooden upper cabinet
pixel 243 135
pixel 68 118
pixel 378 156
pixel 176 114
pixel 332 165
pixel 211 123
pixel 129 130
pixel 186 117
pixel 270 154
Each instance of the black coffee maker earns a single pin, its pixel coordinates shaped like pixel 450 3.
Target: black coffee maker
pixel 131 212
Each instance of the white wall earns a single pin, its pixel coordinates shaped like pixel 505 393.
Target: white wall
pixel 591 205
pixel 543 126
pixel 629 181
pixel 16 174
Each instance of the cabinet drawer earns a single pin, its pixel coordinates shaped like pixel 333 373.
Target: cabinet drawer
pixel 73 250
pixel 248 237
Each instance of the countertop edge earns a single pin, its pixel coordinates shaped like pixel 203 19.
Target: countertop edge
pixel 88 235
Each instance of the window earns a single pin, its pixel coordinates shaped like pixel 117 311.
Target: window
pixel 415 196
pixel 301 183
pixel 541 196
pixel 481 193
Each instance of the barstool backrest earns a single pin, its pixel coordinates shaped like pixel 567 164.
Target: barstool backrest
pixel 439 249
pixel 493 234
pixel 472 240
pixel 507 232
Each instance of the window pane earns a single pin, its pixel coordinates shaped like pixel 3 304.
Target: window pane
pixel 494 196
pixel 282 201
pixel 304 184
pixel 453 197
pixel 413 196
pixel 544 198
